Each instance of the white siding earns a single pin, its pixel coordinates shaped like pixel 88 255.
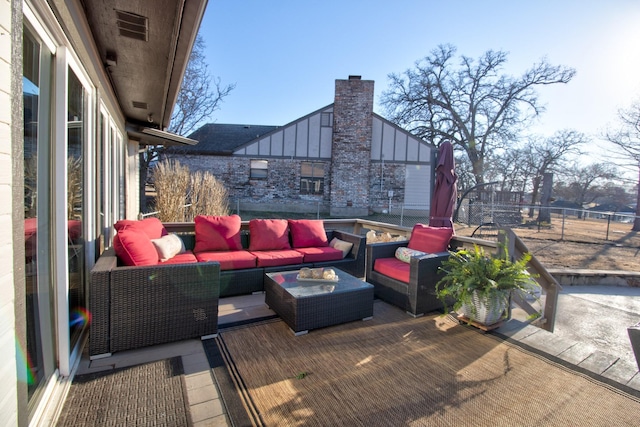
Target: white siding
pixel 394 144
pixel 304 138
pixel 264 147
pixel 401 146
pixel 388 142
pixel 417 187
pixel 376 139
pixel 8 393
pixel 325 142
pixel 277 148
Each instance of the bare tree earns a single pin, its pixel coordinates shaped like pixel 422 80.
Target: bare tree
pixel 626 138
pixel 466 179
pixel 614 196
pixel 200 94
pixel 549 155
pixel 583 184
pixel 473 105
pixel 199 97
pixel 509 170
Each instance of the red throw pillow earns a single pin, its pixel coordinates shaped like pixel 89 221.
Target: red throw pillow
pixel 134 247
pixel 217 233
pixel 268 234
pixel 430 239
pixel 151 226
pixel 308 232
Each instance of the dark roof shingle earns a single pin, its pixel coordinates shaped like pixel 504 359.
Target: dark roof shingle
pixel 221 139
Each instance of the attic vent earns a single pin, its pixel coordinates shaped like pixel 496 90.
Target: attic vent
pixel 140 104
pixel 132 25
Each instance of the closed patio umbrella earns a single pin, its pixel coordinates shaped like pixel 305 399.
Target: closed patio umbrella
pixel 445 193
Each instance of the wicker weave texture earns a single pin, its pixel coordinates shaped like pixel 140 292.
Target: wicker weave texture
pixel 134 307
pixel 416 297
pixel 321 310
pixel 163 304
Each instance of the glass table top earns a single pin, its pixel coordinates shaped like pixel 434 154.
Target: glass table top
pixel 299 288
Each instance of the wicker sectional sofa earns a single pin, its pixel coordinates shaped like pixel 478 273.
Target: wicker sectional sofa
pixel 139 305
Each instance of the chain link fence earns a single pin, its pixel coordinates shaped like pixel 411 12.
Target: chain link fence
pixel 479 219
pixel 482 220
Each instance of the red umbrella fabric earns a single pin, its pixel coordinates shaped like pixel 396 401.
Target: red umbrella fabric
pixel 445 193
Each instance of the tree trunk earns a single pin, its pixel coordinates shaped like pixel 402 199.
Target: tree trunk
pixel 534 194
pixel 544 214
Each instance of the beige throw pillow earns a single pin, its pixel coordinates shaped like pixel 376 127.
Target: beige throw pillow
pixel 168 246
pixel 341 245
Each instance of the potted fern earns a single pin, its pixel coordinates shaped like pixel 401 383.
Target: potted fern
pixel 481 285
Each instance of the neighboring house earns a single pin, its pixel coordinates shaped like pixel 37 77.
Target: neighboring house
pixel 343 159
pixel 82 85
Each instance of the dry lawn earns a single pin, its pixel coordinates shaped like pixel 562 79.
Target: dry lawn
pixel 585 244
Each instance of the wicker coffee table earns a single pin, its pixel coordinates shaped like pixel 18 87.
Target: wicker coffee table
pixel 305 305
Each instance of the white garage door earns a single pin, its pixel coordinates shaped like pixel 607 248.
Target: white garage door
pixel 417 193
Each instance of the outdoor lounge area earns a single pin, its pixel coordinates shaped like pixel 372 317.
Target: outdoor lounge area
pixel 383 367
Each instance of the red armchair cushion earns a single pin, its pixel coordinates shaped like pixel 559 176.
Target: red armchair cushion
pixel 151 226
pixel 325 253
pixel 393 268
pixel 430 239
pixel 307 233
pixel 229 260
pixel 268 234
pixel 186 257
pixel 217 233
pixel 134 247
pixel 276 258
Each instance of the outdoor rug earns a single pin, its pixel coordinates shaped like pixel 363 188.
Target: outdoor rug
pixel 397 370
pixel 144 395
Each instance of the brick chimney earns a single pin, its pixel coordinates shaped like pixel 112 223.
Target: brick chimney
pixel 351 147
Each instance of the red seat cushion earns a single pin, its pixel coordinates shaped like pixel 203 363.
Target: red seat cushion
pixel 430 239
pixel 320 254
pixel 276 258
pixel 134 247
pixel 268 234
pixel 217 233
pixel 229 260
pixel 307 233
pixel 151 226
pixel 393 268
pixel 183 258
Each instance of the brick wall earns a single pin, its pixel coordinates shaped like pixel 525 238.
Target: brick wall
pixel 351 147
pixel 394 176
pixel 280 192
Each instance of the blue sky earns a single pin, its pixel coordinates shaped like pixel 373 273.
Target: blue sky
pixel 284 56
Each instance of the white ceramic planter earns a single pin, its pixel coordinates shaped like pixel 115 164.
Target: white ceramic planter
pixel 487 310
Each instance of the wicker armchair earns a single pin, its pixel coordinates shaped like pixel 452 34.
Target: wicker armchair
pixel 133 307
pixel 416 297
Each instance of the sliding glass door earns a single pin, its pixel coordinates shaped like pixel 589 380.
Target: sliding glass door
pixel 39 355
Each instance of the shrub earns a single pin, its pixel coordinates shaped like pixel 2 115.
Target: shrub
pixel 182 195
pixel 208 196
pixel 171 181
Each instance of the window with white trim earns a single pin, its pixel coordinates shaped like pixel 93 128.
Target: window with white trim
pixel 311 178
pixel 259 169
